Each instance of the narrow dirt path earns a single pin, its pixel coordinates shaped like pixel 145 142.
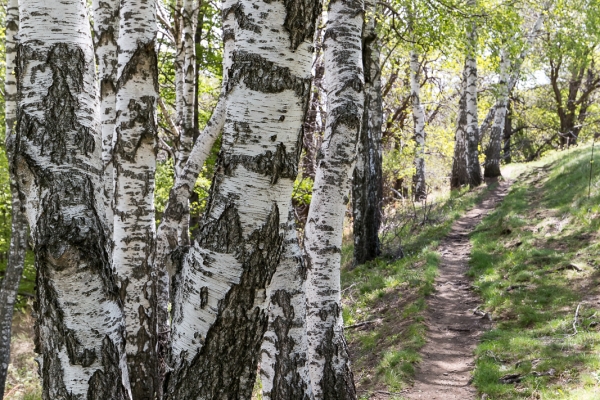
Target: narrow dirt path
pixel 453 329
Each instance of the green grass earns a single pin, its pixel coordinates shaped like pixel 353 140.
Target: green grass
pixel 522 266
pixel 392 294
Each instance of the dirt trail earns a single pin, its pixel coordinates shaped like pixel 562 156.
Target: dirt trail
pixel 453 329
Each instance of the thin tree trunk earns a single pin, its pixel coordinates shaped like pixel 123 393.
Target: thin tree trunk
pixel 283 362
pixel 219 306
pixel 367 185
pixel 134 165
pixel 460 170
pixel 509 76
pixel 105 14
pixel 492 153
pixel 328 356
pixel 79 326
pixel 419 188
pixel 18 236
pixel 475 178
pixel 506 153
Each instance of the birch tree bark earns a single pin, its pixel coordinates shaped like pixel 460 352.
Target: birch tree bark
pixel 328 356
pixel 134 166
pixel 219 309
pixel 79 326
pixel 460 170
pixel 283 362
pixel 105 14
pixel 18 237
pixel 419 187
pixel 475 178
pixel 509 76
pixel 367 185
pixel 492 153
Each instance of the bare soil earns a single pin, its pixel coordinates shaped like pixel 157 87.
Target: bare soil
pixel 454 329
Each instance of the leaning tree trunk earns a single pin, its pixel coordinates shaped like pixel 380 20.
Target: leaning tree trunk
pixel 219 308
pixel 18 236
pixel 367 185
pixel 79 327
pixel 106 27
pixel 492 153
pixel 507 134
pixel 509 75
pixel 134 166
pixel 328 356
pixel 460 170
pixel 419 188
pixel 283 362
pixel 475 178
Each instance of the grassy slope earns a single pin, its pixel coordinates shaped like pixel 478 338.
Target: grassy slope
pixel 534 260
pixel 391 294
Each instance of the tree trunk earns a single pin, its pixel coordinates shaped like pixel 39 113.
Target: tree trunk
pixel 460 170
pixel 367 185
pixel 105 14
pixel 18 237
pixel 219 309
pixel 474 168
pixel 419 187
pixel 134 165
pixel 507 135
pixel 492 153
pixel 283 362
pixel 79 326
pixel 328 356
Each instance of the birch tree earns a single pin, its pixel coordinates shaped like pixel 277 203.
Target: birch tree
pixel 18 238
pixel 419 188
pixel 106 29
pixel 472 127
pixel 328 357
pixel 509 76
pixel 284 360
pixel 134 166
pixel 79 326
pixel 367 185
pixel 219 314
pixel 460 171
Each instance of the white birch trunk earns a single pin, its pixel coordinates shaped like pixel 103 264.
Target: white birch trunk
pixel 219 311
pixel 419 188
pixel 106 27
pixel 460 170
pixel 187 80
pixel 367 185
pixel 492 153
pixel 283 362
pixel 18 238
pixel 475 178
pixel 79 327
pixel 134 166
pixel 328 357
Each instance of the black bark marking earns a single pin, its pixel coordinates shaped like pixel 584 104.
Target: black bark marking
pixel 244 21
pixel 264 76
pixel 335 386
pixel 276 165
pixel 203 296
pixel 301 20
pixel 105 382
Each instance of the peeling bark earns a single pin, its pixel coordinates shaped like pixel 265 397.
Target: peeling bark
pixel 328 356
pixel 79 327
pixel 367 185
pixel 18 238
pixel 283 362
pixel 219 304
pixel 419 187
pixel 134 167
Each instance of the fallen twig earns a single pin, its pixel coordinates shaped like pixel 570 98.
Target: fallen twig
pixel 575 321
pixel 362 323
